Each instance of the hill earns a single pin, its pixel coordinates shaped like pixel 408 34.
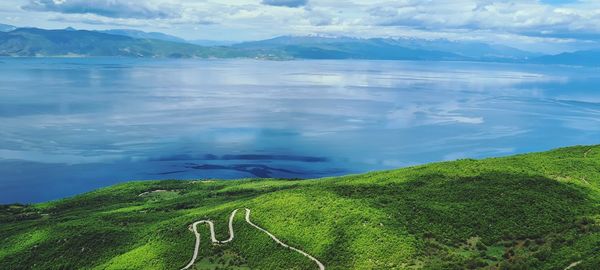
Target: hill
pixel 69 42
pixel 534 211
pixel 345 48
pixel 6 28
pixel 143 35
pixel 165 37
pixel 206 42
pixel 317 47
pixel 133 43
pixel 578 58
pixel 470 49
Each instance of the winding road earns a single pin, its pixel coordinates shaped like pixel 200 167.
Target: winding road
pixel 214 240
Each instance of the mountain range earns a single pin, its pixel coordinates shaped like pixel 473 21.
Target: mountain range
pixel 388 48
pixel 143 35
pixel 35 42
pixel 578 58
pixel 6 27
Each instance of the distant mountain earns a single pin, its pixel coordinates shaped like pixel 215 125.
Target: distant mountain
pixel 6 28
pixel 143 35
pixel 470 49
pixel 69 42
pixel 208 43
pixel 387 48
pixel 134 43
pixel 165 37
pixel 312 47
pixel 579 58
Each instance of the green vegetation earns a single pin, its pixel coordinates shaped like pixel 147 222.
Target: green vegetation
pixel 534 211
pixel 33 42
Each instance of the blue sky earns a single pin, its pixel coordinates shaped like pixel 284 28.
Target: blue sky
pixel 543 25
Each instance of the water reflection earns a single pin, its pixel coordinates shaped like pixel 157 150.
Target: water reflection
pixel 71 125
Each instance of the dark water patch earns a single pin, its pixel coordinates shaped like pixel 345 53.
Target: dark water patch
pixel 274 157
pixel 171 172
pixel 185 157
pixel 258 170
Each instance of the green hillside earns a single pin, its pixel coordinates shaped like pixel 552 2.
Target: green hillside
pixel 35 42
pixel 534 211
pixel 32 42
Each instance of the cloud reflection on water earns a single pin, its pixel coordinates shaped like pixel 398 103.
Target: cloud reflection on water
pixel 350 116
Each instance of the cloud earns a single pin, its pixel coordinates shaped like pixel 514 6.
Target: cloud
pixel 107 8
pixel 92 19
pixel 558 2
pixel 548 25
pixel 285 3
pixel 499 16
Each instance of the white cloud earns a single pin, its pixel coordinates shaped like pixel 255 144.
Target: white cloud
pixel 522 22
pixel 107 8
pixel 285 3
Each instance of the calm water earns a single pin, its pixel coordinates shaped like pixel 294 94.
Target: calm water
pixel 72 125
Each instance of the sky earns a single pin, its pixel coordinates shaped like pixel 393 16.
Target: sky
pixel 538 25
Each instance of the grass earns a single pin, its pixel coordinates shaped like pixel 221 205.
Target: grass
pixel 533 211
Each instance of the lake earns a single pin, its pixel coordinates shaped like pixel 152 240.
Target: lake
pixel 73 125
